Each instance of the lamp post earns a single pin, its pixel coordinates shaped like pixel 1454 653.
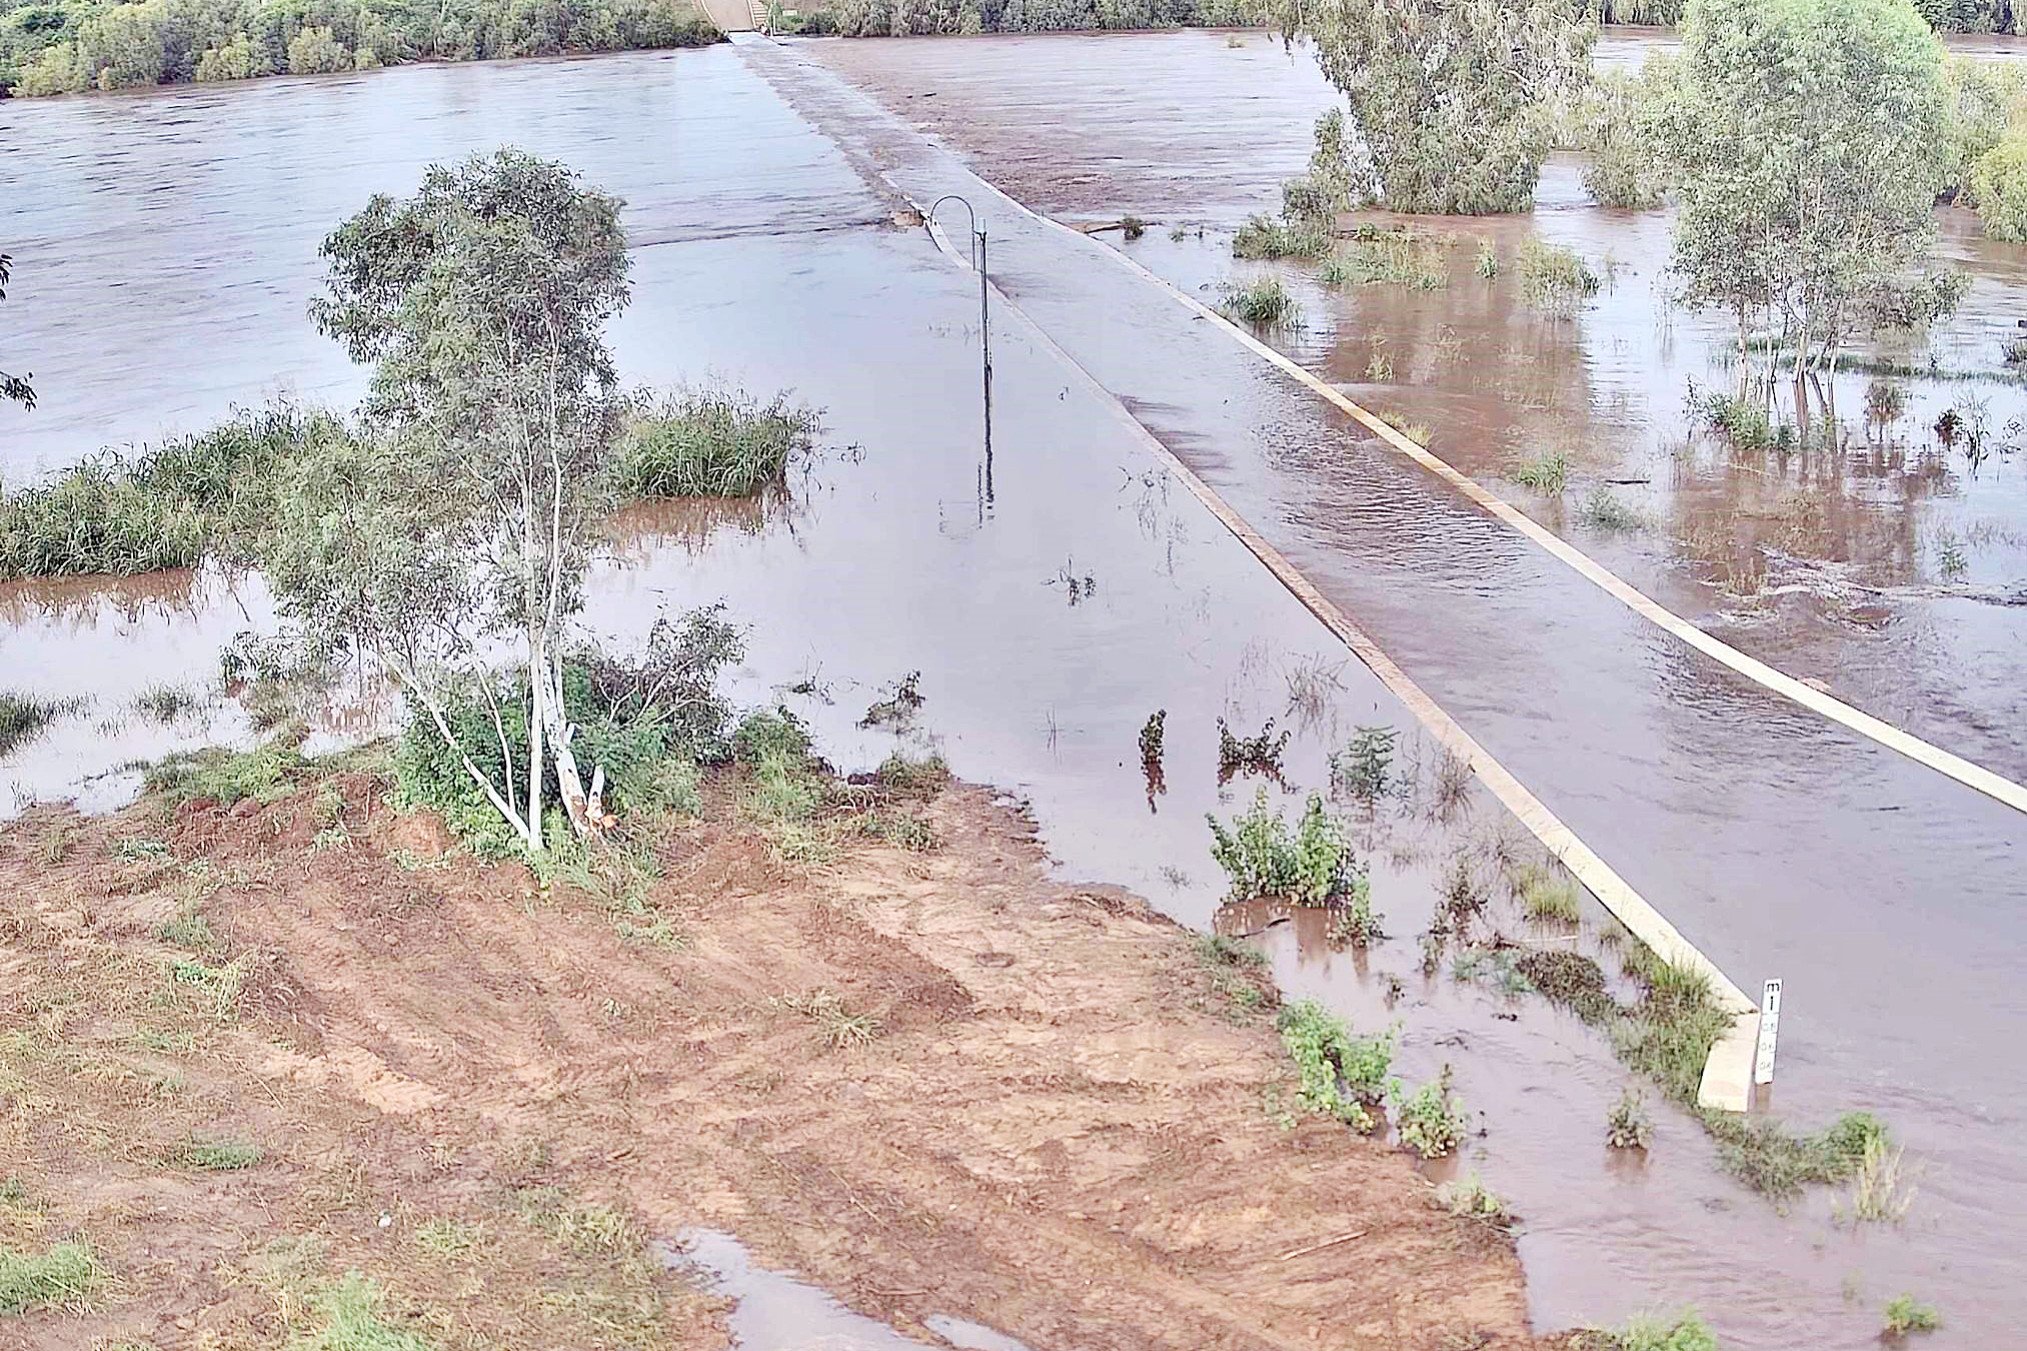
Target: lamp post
pixel 984 321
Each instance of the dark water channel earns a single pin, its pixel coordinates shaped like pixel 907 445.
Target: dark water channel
pixel 762 261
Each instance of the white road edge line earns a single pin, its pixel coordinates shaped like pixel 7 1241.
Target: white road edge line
pixel 1727 1072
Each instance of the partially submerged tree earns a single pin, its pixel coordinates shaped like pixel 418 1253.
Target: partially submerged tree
pixel 1812 142
pixel 13 388
pixel 465 519
pixel 1450 99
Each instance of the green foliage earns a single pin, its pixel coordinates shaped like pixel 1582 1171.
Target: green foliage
pixel 1486 263
pixel 1315 867
pixel 64 1274
pixel 1546 893
pixel 345 1316
pixel 1904 1315
pixel 225 777
pixel 1602 510
pixel 1625 130
pixel 1356 922
pixel 1314 199
pixel 1362 770
pixel 71 45
pixel 1263 237
pixel 708 444
pixel 905 776
pixel 1627 1125
pixel 1764 1155
pixel 1449 98
pixel 765 733
pixel 1264 302
pixel 1342 1073
pixel 1430 1119
pixel 1554 278
pixel 215 1156
pixel 1258 754
pixel 1999 184
pixel 903 698
pixel 166 508
pixel 1798 234
pixel 1403 257
pixel 1547 474
pixel 1646 1332
pixel 1468 1198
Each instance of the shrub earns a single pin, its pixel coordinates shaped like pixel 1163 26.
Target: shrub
pixel 1904 1315
pixel 706 444
pixel 1468 1198
pixel 1263 302
pixel 1627 1125
pixel 1999 182
pixel 646 720
pixel 1361 770
pixel 1430 1120
pixel 1263 237
pixel 1645 1332
pixel 1602 510
pixel 1885 401
pixel 1342 1073
pixel 1390 258
pixel 1486 264
pixel 1554 279
pixel 1546 474
pixel 1315 867
pixel 235 60
pixel 766 733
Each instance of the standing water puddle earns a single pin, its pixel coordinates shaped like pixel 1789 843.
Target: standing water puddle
pixel 779 1313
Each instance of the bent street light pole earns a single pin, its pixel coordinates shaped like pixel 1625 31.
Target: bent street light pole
pixel 984 322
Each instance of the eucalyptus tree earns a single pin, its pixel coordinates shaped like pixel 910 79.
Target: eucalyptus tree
pixel 1451 100
pixel 462 518
pixel 1811 139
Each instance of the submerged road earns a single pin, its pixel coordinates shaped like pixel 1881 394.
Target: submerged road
pixel 1886 896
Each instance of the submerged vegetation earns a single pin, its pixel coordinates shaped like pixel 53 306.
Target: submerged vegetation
pixel 1313 866
pixel 702 443
pixel 1343 1074
pixel 1264 302
pixel 24 717
pixel 73 45
pixel 902 18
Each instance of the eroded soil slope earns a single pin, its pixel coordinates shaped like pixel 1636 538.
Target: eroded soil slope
pixel 931 1081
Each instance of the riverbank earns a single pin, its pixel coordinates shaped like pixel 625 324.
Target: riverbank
pixel 252 1049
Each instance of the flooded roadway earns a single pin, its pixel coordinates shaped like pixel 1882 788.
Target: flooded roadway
pixel 1746 821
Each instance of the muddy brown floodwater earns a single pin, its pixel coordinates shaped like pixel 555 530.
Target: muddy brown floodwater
pixel 1885 895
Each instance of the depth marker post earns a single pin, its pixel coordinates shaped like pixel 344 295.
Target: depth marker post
pixel 984 321
pixel 1770 1027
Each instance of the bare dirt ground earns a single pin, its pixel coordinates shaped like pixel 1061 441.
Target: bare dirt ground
pixel 488 1097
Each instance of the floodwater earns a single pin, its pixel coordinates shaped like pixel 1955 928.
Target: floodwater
pixel 1891 567
pixel 763 261
pixel 779 1313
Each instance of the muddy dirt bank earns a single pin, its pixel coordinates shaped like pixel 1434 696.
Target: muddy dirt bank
pixel 1057 1128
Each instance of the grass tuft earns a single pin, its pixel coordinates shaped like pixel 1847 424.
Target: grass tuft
pixel 63 1275
pixel 1546 474
pixel 1684 1331
pixel 23 718
pixel 707 444
pixel 1264 302
pixel 839 1026
pixel 1627 1125
pixel 348 1318
pixel 214 1156
pixel 226 777
pixel 1264 237
pixel 1554 279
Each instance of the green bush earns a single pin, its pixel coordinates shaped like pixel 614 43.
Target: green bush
pixel 1904 1315
pixel 1314 867
pixel 1430 1119
pixel 1342 1073
pixel 226 777
pixel 1264 237
pixel 1645 1332
pixel 702 444
pixel 647 720
pixel 1999 183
